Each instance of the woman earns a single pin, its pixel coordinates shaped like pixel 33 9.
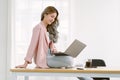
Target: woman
pixel 42 47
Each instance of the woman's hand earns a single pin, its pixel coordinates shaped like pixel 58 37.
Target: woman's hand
pixel 54 51
pixel 23 65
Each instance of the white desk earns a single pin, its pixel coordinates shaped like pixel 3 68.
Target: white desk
pixel 65 72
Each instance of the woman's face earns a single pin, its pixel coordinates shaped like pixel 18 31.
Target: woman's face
pixel 50 18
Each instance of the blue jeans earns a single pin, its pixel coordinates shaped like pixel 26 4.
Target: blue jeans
pixel 59 61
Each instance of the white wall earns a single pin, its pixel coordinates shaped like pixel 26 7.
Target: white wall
pixel 97 23
pixel 3 38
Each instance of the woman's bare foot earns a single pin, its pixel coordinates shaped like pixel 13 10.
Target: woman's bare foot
pixel 22 66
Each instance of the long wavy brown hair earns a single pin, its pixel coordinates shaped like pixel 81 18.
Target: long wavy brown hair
pixel 52 28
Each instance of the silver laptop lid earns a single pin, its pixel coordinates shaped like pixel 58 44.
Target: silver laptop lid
pixel 75 48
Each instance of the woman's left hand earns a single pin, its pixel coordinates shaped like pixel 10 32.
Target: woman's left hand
pixel 54 51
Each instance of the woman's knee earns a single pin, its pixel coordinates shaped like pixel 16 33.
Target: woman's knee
pixel 62 61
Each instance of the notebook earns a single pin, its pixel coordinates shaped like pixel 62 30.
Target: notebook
pixel 73 50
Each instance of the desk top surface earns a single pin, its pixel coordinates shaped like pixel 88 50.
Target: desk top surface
pixel 72 70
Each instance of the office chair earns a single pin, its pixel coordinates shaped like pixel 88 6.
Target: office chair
pixel 99 63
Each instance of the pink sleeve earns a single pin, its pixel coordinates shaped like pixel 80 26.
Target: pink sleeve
pixel 33 45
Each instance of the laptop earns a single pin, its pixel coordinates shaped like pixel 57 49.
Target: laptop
pixel 73 50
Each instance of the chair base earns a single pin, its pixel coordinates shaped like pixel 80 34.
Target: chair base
pixel 101 78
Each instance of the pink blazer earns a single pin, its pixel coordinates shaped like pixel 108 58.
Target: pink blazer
pixel 39 46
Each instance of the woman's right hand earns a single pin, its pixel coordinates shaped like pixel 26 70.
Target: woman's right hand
pixel 23 65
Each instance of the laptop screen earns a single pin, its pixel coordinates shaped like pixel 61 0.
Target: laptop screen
pixel 75 48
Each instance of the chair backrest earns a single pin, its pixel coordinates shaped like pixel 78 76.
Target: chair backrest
pixel 98 63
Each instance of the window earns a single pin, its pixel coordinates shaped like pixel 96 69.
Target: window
pixel 26 14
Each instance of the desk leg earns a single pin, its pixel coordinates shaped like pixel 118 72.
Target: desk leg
pixel 14 77
pixel 26 77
